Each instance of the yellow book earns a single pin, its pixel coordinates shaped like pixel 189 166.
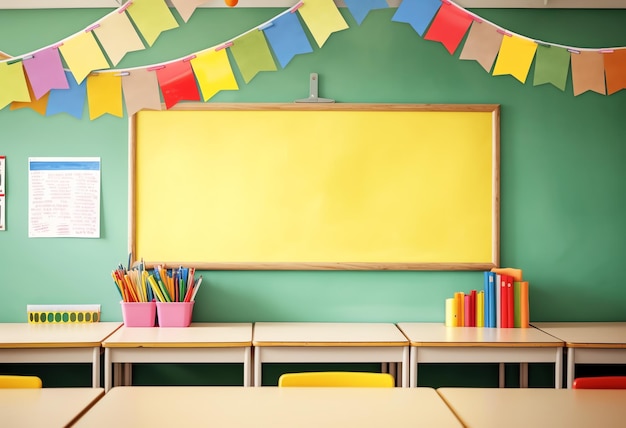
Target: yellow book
pixel 451 313
pixel 480 309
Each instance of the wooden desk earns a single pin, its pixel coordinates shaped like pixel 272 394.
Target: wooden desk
pixel 55 343
pixel 589 342
pixel 45 407
pixel 536 407
pixel 198 343
pixel 302 342
pixel 269 407
pixel 436 343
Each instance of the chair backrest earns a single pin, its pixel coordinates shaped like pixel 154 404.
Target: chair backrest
pixel 600 382
pixel 341 379
pixel 17 381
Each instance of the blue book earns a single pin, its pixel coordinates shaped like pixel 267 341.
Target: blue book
pixel 493 300
pixel 486 305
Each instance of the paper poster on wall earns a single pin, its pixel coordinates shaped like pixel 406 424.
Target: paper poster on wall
pixel 2 213
pixel 64 197
pixel 3 161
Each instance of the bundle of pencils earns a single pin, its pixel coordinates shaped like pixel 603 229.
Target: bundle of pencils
pixel 132 284
pixel 174 285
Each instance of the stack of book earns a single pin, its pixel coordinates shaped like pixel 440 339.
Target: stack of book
pixel 502 303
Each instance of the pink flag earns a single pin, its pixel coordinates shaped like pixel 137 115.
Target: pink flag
pixel 45 71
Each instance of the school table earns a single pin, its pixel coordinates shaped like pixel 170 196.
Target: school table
pixel 198 343
pixel 536 407
pixel 231 407
pixel 328 342
pixel 436 343
pixel 55 343
pixel 588 343
pixel 45 407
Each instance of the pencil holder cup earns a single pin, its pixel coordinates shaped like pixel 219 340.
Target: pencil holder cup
pixel 174 314
pixel 139 314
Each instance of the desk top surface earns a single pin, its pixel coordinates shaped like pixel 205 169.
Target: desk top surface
pixel 536 407
pixel 269 407
pixel 587 334
pixel 66 335
pixel 45 407
pixel 197 335
pixel 437 334
pixel 327 334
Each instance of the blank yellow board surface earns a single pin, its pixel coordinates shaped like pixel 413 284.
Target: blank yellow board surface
pixel 294 186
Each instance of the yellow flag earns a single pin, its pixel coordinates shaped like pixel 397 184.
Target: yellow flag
pixel 515 57
pixel 323 18
pixel 13 84
pixel 83 55
pixel 213 73
pixel 104 94
pixel 151 17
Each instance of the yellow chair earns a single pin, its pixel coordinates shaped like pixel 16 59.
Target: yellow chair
pixel 16 381
pixel 341 379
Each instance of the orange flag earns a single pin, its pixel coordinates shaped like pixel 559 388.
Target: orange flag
pixel 615 70
pixel 588 72
pixel 38 105
pixel 449 26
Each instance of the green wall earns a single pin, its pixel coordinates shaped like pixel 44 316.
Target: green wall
pixel 562 178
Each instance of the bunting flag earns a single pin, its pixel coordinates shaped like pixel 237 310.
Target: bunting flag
pixel 552 66
pixel 252 54
pixel 141 91
pixel 287 38
pixel 45 71
pixel 588 72
pixel 83 55
pixel 482 44
pixel 449 26
pixel 186 8
pixel 104 95
pixel 151 17
pixel 360 8
pixel 615 70
pixel 417 13
pixel 177 83
pixel 214 73
pixel 13 82
pixel 322 18
pixel 37 105
pixel 4 55
pixel 117 36
pixel 515 57
pixel 71 101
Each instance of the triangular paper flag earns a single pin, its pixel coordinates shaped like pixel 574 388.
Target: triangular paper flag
pixel 287 38
pixel 515 57
pixel 551 66
pixel 151 17
pixel 13 84
pixel 322 18
pixel 252 54
pixel 360 8
pixel 588 72
pixel 177 83
pixel 186 8
pixel 417 13
pixel 449 26
pixel 71 101
pixel 4 55
pixel 118 36
pixel 45 71
pixel 141 91
pixel 38 105
pixel 83 55
pixel 213 73
pixel 482 44
pixel 615 70
pixel 104 94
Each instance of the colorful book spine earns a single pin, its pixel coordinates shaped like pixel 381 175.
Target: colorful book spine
pixel 480 306
pixel 451 313
pixel 524 305
pixel 498 287
pixel 459 298
pixel 467 310
pixel 510 302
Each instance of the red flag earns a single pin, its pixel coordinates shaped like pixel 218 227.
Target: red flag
pixel 449 26
pixel 177 82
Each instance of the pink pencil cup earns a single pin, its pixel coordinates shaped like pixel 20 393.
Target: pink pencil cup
pixel 139 314
pixel 174 314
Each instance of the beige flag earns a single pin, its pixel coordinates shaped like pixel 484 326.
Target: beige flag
pixel 118 36
pixel 141 91
pixel 482 44
pixel 186 8
pixel 588 72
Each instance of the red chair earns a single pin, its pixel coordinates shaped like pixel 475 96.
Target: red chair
pixel 600 382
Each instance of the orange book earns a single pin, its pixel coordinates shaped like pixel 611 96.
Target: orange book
pixel 514 272
pixel 524 305
pixel 459 300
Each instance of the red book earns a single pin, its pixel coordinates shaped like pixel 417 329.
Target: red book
pixel 473 308
pixel 510 302
pixel 467 312
pixel 504 307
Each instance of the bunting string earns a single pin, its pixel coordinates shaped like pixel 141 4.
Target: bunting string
pixel 82 67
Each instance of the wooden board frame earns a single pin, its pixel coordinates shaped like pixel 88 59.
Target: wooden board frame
pixel 135 237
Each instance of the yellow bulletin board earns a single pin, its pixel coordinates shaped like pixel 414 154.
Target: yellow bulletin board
pixel 316 186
